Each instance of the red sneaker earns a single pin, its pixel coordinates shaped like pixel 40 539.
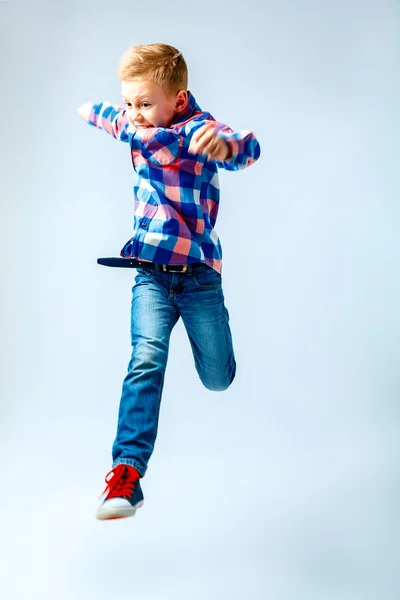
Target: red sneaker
pixel 122 495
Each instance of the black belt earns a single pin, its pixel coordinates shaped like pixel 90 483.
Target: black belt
pixel 133 263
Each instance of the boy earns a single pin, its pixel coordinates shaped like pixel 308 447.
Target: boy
pixel 176 150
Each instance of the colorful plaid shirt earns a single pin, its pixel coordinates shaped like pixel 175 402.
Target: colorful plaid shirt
pixel 176 193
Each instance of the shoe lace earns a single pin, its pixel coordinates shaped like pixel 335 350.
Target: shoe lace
pixel 121 481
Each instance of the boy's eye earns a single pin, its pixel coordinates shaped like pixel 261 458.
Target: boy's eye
pixel 129 105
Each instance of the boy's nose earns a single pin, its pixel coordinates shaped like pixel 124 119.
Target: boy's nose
pixel 135 116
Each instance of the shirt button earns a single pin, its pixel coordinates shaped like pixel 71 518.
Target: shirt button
pixel 143 224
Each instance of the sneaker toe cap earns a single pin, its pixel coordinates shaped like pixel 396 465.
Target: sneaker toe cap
pixel 116 508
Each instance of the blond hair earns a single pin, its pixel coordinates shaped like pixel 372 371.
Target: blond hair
pixel 160 63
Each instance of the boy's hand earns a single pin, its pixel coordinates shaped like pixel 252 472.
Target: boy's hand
pixel 206 141
pixel 84 110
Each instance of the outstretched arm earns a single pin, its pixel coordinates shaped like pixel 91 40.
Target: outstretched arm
pixel 105 116
pixel 231 150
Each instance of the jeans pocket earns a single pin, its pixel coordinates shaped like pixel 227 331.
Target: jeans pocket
pixel 207 279
pixel 142 275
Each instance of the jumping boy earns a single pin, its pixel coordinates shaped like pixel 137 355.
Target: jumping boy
pixel 176 150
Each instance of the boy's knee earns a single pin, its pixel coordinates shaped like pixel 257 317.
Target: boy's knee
pixel 219 385
pixel 148 353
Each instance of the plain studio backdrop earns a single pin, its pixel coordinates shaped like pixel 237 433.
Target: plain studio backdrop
pixel 285 486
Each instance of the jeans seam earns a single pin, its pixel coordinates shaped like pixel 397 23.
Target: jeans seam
pixel 154 437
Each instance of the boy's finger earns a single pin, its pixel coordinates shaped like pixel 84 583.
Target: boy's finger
pixel 201 131
pixel 205 138
pixel 216 154
pixel 211 147
pixel 218 151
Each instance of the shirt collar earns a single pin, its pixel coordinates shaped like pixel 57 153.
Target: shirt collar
pixel 191 107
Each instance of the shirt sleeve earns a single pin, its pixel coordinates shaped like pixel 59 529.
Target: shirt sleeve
pixel 112 119
pixel 244 145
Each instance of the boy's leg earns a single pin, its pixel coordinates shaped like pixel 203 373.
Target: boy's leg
pixel 153 317
pixel 206 320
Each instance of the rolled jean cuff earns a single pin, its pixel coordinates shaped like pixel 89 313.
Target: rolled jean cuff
pixel 132 463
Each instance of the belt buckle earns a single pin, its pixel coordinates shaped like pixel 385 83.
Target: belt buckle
pixel 174 271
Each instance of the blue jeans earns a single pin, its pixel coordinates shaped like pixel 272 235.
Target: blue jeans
pixel 158 300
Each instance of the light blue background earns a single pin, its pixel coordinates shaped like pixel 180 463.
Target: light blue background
pixel 286 486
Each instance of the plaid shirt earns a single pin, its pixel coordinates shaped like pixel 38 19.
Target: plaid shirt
pixel 176 192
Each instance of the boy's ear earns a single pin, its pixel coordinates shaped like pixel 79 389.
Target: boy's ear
pixel 181 101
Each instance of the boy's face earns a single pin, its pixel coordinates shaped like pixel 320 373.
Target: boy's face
pixel 150 105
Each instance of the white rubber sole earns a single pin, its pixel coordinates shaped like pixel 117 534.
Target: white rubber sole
pixel 116 508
